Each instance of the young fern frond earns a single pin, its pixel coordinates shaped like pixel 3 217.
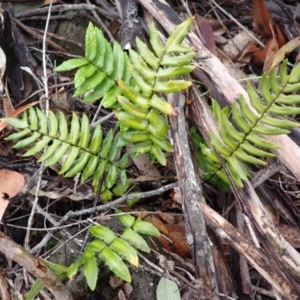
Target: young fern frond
pixel 109 248
pixel 99 69
pixel 113 249
pixel 141 114
pixel 243 143
pixel 76 146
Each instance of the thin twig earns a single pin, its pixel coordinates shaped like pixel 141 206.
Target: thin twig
pixel 72 214
pixel 30 219
pixel 108 32
pixel 38 36
pixel 45 83
pixel 66 7
pixel 238 23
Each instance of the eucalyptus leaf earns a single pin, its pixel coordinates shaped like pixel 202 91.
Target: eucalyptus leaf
pixel 167 290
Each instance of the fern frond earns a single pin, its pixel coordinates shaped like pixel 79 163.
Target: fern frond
pixel 112 250
pixel 79 148
pixel 242 143
pixel 141 116
pixel 99 69
pixel 141 77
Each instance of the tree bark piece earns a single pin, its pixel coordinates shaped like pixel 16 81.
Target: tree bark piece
pixel 35 266
pixel 132 23
pixel 268 268
pixel 4 289
pixel 191 194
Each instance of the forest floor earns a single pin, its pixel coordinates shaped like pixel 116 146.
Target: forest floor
pixel 235 41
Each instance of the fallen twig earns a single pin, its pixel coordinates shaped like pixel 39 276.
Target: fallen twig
pixel 35 266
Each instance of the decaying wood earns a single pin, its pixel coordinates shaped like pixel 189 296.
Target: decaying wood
pixel 269 269
pixel 226 284
pixel 4 289
pixel 35 266
pixel 191 194
pixel 132 26
pixel 239 264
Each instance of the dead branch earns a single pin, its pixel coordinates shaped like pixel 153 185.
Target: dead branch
pixel 191 194
pixel 266 267
pixel 35 266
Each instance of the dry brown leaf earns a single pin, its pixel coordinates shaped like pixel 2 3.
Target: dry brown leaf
pixel 167 217
pixel 11 183
pixel 271 33
pixel 142 162
pixel 259 57
pixel 177 240
pixel 281 40
pixel 272 50
pixel 261 18
pixel 157 223
pixel 286 49
pixel 149 217
pixel 207 33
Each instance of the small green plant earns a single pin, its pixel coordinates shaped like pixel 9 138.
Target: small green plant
pixel 109 248
pixel 112 249
pixel 133 84
pixel 241 142
pixel 76 146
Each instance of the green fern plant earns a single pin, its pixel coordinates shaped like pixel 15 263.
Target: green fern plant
pixel 242 143
pixel 112 249
pixel 109 248
pixel 132 85
pixel 78 147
